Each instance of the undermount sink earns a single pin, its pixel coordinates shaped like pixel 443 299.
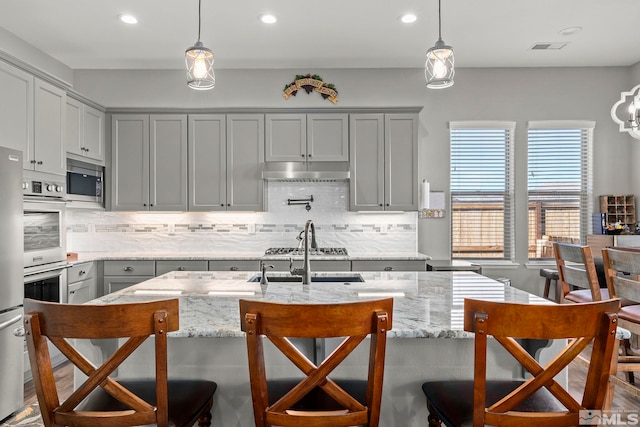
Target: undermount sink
pixel 350 278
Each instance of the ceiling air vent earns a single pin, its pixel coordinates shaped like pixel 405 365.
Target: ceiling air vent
pixel 548 46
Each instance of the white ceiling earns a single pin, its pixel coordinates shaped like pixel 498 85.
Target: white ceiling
pixel 85 34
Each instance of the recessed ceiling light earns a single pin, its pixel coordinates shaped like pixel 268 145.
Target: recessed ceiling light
pixel 128 19
pixel 408 18
pixel 268 18
pixel 570 30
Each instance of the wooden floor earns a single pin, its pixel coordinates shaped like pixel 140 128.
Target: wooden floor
pixel 622 400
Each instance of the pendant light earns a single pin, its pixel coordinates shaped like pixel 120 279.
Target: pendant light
pixel 438 69
pixel 199 62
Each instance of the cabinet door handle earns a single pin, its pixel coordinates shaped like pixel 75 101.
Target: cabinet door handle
pixel 144 204
pixel 308 155
pixel 72 292
pixel 388 268
pixel 234 268
pixel 39 162
pixel 128 269
pixel 33 162
pixel 301 155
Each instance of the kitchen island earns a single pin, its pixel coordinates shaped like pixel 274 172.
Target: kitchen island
pixel 427 340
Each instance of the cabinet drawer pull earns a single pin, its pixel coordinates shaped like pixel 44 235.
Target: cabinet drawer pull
pixel 234 268
pixel 388 268
pixel 180 268
pixel 81 272
pixel 128 269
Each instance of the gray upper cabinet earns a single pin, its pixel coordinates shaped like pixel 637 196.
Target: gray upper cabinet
pixel 130 162
pixel 168 162
pixel 149 163
pixel 207 162
pixel 47 154
pixel 383 162
pixel 84 133
pixel 307 137
pixel 328 137
pixel 245 159
pixel 226 154
pixel 16 110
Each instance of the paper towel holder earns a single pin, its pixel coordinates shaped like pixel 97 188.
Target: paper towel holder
pixel 436 205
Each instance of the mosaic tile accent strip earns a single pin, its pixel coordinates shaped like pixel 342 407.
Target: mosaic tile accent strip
pixel 250 231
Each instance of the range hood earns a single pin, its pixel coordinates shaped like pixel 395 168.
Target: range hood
pixel 306 172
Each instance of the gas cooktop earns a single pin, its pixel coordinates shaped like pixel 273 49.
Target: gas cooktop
pixel 296 251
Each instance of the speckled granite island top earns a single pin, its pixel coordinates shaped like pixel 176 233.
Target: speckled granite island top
pixel 426 304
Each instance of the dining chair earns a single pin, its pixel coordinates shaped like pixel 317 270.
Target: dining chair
pixel 103 400
pixel 313 398
pixel 539 400
pixel 577 276
pixel 622 268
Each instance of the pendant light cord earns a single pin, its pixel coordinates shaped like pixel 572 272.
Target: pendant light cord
pixel 439 23
pixel 199 17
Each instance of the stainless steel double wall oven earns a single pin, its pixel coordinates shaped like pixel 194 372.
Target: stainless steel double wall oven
pixel 44 237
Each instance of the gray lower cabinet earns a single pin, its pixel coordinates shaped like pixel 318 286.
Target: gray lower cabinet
pixel 122 274
pixel 149 162
pixel 166 266
pixel 383 162
pixel 393 265
pixel 234 265
pixel 82 283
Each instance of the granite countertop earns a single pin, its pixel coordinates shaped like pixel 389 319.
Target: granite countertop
pixel 240 255
pixel 426 304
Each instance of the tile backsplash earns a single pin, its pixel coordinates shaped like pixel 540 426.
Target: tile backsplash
pixel 90 230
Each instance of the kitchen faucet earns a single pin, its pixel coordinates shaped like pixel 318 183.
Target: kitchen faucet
pixel 263 277
pixel 305 271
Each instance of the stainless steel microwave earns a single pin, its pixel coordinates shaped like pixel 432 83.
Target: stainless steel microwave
pixel 85 182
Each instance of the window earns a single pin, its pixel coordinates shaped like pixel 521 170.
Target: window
pixel 482 190
pixel 559 184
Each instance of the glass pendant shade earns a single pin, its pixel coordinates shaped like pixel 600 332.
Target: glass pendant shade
pixel 439 68
pixel 199 61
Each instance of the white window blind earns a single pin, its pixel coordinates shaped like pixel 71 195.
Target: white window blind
pixel 559 184
pixel 482 190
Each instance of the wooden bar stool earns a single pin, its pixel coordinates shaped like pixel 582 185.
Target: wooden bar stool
pixel 550 275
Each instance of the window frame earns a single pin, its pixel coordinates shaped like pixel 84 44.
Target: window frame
pixel 507 195
pixel 585 193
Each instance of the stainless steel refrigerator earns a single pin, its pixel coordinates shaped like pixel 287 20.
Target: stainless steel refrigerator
pixel 11 282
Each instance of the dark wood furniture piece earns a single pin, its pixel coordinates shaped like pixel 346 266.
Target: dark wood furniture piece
pixel 539 400
pixel 577 276
pixel 315 399
pixel 103 400
pixel 622 267
pixel 551 276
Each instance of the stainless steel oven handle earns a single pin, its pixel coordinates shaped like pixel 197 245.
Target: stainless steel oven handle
pixel 43 274
pixel 37 199
pixel 10 322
